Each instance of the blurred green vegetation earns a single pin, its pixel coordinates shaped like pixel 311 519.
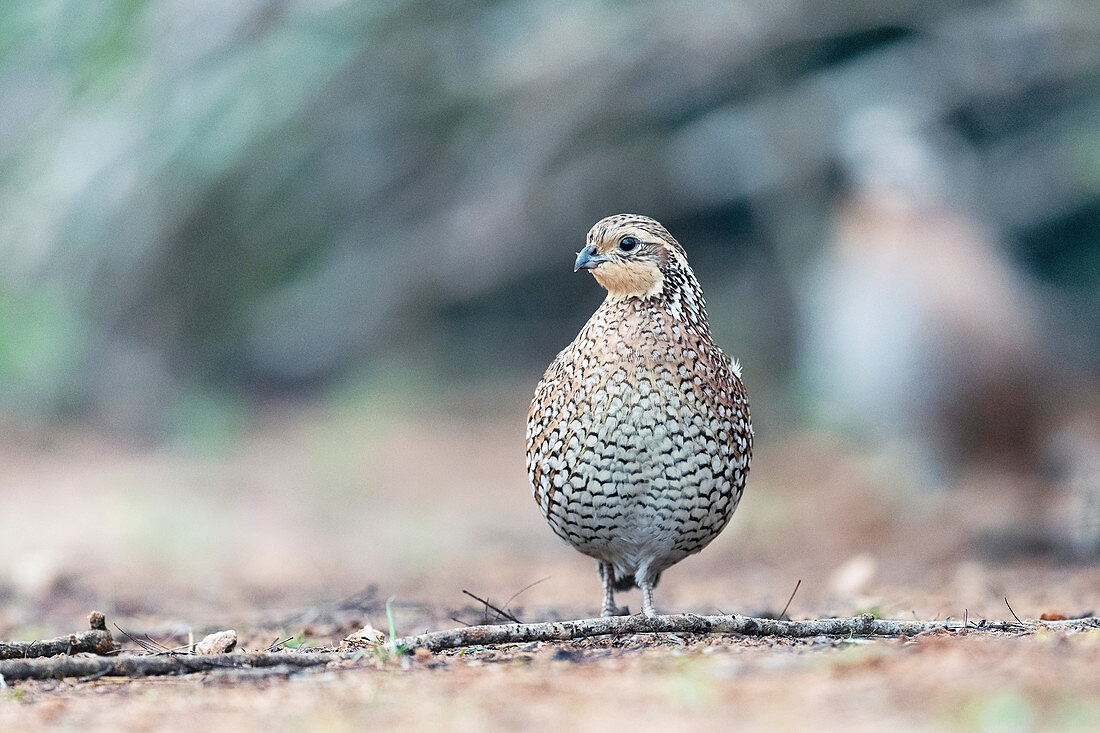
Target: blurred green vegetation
pixel 205 204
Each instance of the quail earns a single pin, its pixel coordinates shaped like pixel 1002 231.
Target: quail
pixel 639 438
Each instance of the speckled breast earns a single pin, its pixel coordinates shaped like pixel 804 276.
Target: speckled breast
pixel 644 466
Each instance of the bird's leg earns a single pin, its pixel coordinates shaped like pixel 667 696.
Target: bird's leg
pixel 607 577
pixel 647 599
pixel 646 583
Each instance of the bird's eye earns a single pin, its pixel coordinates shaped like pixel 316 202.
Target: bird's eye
pixel 628 243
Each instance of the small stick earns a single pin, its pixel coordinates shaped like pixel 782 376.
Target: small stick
pixel 503 614
pixel 277 643
pixel 524 589
pixel 139 642
pixel 784 611
pixel 1013 612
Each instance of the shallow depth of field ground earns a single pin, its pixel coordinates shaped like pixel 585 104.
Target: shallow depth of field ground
pixel 301 528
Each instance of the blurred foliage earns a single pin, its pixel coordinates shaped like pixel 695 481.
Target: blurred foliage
pixel 203 199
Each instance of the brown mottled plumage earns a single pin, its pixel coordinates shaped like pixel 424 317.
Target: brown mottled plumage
pixel 638 438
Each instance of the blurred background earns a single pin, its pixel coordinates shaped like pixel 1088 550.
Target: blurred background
pixel 280 276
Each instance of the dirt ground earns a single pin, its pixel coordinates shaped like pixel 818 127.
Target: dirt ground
pixel 299 529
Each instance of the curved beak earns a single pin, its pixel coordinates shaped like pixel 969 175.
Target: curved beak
pixel 588 259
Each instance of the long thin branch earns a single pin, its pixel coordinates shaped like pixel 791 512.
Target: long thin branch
pixel 135 665
pixel 691 624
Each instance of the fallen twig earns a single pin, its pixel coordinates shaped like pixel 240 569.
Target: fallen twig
pixel 141 665
pixel 502 613
pixel 784 611
pixel 523 590
pixel 150 645
pixel 687 623
pixel 97 640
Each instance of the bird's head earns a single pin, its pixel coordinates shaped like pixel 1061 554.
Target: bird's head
pixel 630 256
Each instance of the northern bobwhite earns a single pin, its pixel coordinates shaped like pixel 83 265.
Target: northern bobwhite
pixel 639 438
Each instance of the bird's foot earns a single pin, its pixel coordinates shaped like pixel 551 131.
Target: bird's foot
pixel 608 611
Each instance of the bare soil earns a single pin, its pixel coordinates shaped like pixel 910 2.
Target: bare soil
pixel 301 529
